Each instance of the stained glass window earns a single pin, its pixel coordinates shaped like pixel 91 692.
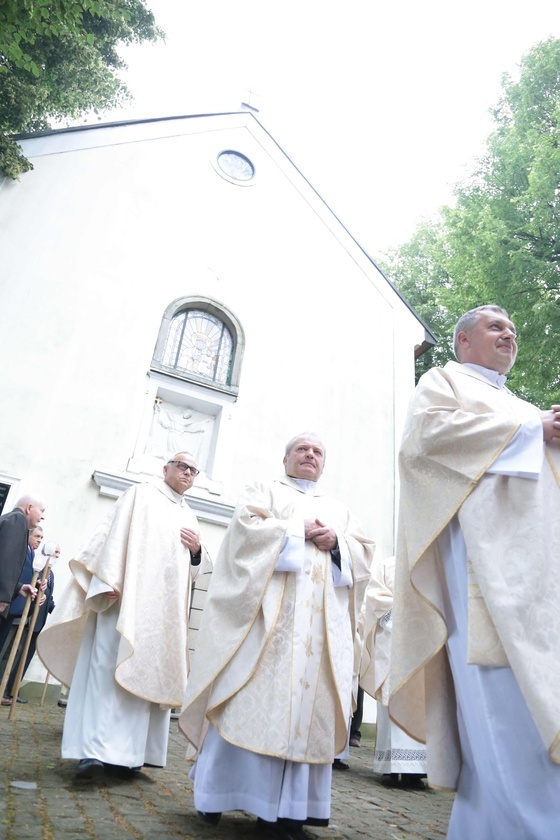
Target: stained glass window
pixel 199 343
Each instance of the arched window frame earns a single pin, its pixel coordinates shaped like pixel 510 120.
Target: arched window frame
pixel 217 310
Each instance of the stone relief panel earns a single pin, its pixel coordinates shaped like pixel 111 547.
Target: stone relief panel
pixel 175 428
pixel 179 416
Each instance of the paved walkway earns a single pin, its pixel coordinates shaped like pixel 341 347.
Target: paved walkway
pixel 42 802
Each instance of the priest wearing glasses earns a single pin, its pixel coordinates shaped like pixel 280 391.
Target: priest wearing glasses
pixel 119 635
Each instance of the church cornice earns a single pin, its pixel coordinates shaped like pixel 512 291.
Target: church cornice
pixel 113 485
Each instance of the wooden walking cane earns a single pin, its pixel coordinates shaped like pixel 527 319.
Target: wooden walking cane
pixel 32 623
pixel 17 639
pixel 46 685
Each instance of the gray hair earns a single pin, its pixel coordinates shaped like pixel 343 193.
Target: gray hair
pixel 182 452
pixel 469 320
pixel 26 500
pixel 291 443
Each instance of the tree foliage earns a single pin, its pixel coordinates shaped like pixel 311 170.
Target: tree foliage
pixel 59 59
pixel 500 242
pixel 418 270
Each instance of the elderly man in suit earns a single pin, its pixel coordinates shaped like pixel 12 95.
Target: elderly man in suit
pixel 14 534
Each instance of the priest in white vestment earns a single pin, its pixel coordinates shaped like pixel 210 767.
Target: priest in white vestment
pixel 398 758
pixel 269 700
pixel 475 662
pixel 119 635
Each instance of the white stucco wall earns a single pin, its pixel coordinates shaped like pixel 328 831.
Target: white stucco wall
pixel 115 223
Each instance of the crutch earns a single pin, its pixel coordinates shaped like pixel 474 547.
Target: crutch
pixel 47 551
pixel 46 685
pixel 17 638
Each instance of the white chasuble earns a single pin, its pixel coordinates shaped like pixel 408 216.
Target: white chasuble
pixel 136 551
pixel 458 426
pixel 273 671
pixel 375 631
pixel 293 689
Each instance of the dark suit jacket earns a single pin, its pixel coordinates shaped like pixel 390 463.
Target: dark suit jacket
pixel 14 534
pixel 48 606
pixel 26 576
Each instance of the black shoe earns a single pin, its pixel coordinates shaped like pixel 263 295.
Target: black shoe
pixel 153 766
pixel 340 765
pixel 210 817
pixel 282 829
pixel 390 780
pixel 292 830
pixel 118 771
pixel 21 700
pixel 90 769
pixel 413 781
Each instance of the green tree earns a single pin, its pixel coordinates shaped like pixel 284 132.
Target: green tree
pixel 419 270
pixel 59 60
pixel 500 242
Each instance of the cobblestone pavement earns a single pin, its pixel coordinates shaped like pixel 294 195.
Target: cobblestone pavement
pixel 42 802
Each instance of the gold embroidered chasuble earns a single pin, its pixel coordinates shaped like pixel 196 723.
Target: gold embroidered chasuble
pixel 274 661
pixel 458 424
pixel 376 631
pixel 137 551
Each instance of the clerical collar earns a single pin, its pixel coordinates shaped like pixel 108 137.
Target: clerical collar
pixel 306 485
pixel 170 492
pixel 498 379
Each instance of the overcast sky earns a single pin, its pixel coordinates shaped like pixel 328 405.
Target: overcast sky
pixel 383 106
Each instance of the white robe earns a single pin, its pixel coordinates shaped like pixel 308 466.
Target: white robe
pixel 228 776
pixel 462 432
pixel 395 751
pixel 102 720
pixel 269 787
pixel 490 558
pixel 126 660
pixel 508 786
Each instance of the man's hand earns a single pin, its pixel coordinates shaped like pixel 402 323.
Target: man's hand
pixel 323 537
pixel 28 591
pixel 191 540
pixel 551 424
pixel 112 596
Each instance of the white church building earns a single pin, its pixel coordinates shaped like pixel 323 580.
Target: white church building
pixel 178 284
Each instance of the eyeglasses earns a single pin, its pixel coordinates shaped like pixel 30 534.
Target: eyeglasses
pixel 185 467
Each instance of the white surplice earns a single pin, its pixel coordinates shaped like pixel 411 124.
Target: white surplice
pixel 395 751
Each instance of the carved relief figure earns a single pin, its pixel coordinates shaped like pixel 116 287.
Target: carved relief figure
pixel 177 428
